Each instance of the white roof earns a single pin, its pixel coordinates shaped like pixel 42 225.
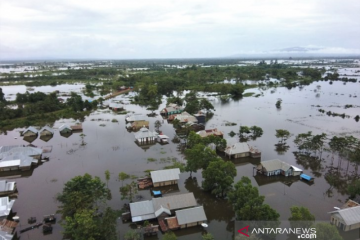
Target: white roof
pixel 133 118
pixel 64 126
pixel 275 164
pixel 5 206
pixel 144 133
pixel 28 151
pixel 116 105
pixel 349 215
pixel 31 129
pixel 11 163
pixel 163 136
pixel 191 215
pixel 236 148
pixel 48 129
pixel 165 175
pixel 6 186
pixel 296 169
pixel 161 210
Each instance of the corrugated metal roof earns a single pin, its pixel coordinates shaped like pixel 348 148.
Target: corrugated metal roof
pixel 162 210
pixel 165 175
pixel 6 186
pixel 349 215
pixel 63 127
pixel 186 117
pixel 142 208
pixel 191 215
pixel 29 151
pixel 7 148
pixel 133 118
pixel 31 129
pixel 47 128
pixel 5 206
pixel 236 148
pixel 276 164
pixel 296 169
pixel 144 133
pixel 175 201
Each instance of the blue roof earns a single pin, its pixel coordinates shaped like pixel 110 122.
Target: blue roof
pixel 304 176
pixel 156 192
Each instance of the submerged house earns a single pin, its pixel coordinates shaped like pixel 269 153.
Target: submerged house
pixel 7 188
pixel 241 149
pixel 138 125
pixel 30 132
pixel 46 131
pixel 346 219
pixel 277 167
pixel 7 229
pixel 20 158
pixel 135 118
pixel 211 132
pixel 165 177
pixel 64 129
pixel 161 207
pixel 144 135
pixel 5 206
pixel 186 117
pixel 191 217
pixel 171 109
pixel 116 106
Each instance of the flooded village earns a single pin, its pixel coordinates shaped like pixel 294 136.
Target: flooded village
pixel 149 145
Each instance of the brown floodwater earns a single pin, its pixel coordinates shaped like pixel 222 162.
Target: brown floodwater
pixel 112 147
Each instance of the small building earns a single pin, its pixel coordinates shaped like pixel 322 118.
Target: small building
pixel 191 217
pixel 211 132
pixel 346 219
pixel 200 117
pixel 116 106
pixel 163 139
pixel 30 132
pixel 65 129
pixel 135 118
pixel 237 150
pixel 7 188
pixel 185 117
pixel 277 167
pixel 141 211
pixel 7 229
pixel 165 177
pixel 144 183
pixel 144 135
pixel 175 202
pixel 46 131
pixel 77 126
pixel 5 206
pixel 306 177
pixel 27 151
pixel 171 109
pixel 135 126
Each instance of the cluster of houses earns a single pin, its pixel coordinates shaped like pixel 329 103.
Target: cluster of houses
pixel 46 133
pixel 172 212
pixel 19 157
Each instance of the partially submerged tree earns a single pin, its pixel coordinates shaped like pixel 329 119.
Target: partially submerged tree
pixel 283 135
pixel 199 157
pixel 301 217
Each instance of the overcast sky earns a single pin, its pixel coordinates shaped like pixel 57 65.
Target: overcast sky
pixel 36 29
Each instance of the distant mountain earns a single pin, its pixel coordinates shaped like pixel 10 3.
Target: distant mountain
pixel 299 49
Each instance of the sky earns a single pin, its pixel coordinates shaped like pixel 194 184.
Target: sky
pixel 132 29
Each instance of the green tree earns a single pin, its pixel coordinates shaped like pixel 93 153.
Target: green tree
pixel 301 217
pixel 199 157
pixel 129 191
pixel 2 96
pixel 354 188
pixel 169 236
pixel 81 192
pixel 83 226
pixel 278 103
pixel 283 135
pixel 219 177
pixel 248 204
pixel 157 126
pixel 107 177
pixel 132 235
pixel 207 236
pixel 122 177
pixel 256 132
pixel 326 231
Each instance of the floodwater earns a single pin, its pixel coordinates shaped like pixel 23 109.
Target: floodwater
pixel 112 147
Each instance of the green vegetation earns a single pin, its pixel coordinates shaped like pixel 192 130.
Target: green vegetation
pixel 248 204
pixel 219 177
pixel 132 235
pixel 84 210
pixel 207 236
pixel 199 157
pixel 327 231
pixel 194 138
pixel 169 236
pixel 248 94
pixel 278 103
pixel 301 217
pixel 283 135
pixel 246 133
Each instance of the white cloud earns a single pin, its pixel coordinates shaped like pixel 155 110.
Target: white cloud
pixel 197 28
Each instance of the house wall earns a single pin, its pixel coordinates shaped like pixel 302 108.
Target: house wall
pixel 296 173
pixel 340 224
pixel 191 224
pixel 66 130
pixel 45 133
pixel 6 169
pixel 166 183
pixel 149 139
pixel 240 155
pixel 29 134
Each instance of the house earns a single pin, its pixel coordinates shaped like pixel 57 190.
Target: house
pixel 191 217
pixel 160 207
pixel 116 106
pixel 135 118
pixel 200 117
pixel 277 167
pixel 237 150
pixel 5 206
pixel 346 219
pixel 163 139
pixel 77 126
pixel 7 148
pixel 27 151
pixel 165 177
pixel 139 124
pixel 6 187
pixel 144 135
pixel 185 117
pixel 7 229
pixel 211 132
pixel 171 109
pixel 30 132
pixel 20 158
pixel 46 131
pixel 63 129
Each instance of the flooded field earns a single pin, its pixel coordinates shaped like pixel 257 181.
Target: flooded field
pixel 109 146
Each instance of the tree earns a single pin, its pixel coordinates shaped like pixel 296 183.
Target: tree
pixel 219 177
pixel 122 177
pixel 326 231
pixel 129 191
pixel 256 132
pixel 81 192
pixel 169 236
pixel 248 204
pixel 208 236
pixel 199 157
pixel 278 103
pixel 301 217
pixel 157 126
pixel 354 188
pixel 2 96
pixel 107 177
pixel 132 235
pixel 283 135
pixel 82 226
pixel 205 104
